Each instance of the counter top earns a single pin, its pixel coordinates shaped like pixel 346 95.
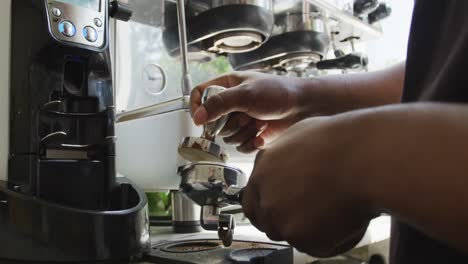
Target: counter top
pixel 379 230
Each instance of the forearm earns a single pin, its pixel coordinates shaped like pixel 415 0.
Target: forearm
pixel 411 161
pixel 340 93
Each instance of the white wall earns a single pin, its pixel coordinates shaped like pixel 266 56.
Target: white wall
pixel 4 84
pixel 392 46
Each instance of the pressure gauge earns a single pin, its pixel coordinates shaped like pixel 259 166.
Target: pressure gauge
pixel 154 79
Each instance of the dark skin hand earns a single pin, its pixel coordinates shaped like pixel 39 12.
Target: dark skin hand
pixel 318 186
pixel 257 103
pixel 297 193
pixel 262 107
pixel 283 186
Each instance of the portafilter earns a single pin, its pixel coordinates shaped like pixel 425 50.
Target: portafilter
pixel 213 186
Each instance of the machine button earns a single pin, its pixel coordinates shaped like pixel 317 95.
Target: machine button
pixel 67 28
pixel 97 22
pixel 56 12
pixel 90 34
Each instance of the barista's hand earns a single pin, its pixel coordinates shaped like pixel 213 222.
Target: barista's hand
pixel 261 106
pixel 260 102
pixel 299 193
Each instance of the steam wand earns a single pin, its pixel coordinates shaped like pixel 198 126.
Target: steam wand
pixel 181 103
pixel 183 45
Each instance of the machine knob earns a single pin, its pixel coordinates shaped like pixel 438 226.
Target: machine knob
pixel 362 7
pixel 380 13
pixel 352 61
pixel 339 53
pixel 120 11
pixel 67 28
pixel 90 34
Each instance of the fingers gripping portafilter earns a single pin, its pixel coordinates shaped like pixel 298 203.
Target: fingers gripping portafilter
pixel 207 180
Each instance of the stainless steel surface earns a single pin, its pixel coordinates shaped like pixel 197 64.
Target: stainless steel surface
pixel 67 28
pixel 97 22
pixel 139 46
pixel 183 209
pixel 212 186
pixel 181 103
pixel 200 6
pixel 80 17
pixel 213 220
pixel 211 130
pixel 286 52
pixel 292 22
pixel 218 27
pixel 210 217
pixel 148 12
pixel 155 79
pixel 299 39
pixel 299 62
pixel 183 45
pixel 196 149
pixel 56 12
pixel 237 42
pixel 226 229
pixel 297 58
pixel 287 6
pixel 209 183
pixel 358 26
pixel 186 83
pixel 90 34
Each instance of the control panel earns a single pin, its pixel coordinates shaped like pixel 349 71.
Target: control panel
pixel 78 21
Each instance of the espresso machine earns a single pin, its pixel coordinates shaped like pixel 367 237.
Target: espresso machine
pixel 299 38
pixel 97 110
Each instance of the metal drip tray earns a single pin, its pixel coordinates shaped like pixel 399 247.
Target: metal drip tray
pixel 213 251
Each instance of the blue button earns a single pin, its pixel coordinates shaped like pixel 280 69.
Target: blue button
pixel 67 28
pixel 90 34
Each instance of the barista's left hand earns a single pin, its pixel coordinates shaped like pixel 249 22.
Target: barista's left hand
pixel 299 193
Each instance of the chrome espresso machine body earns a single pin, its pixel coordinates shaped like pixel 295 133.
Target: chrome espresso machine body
pixel 62 197
pixel 299 38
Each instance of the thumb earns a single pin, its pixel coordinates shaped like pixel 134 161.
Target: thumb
pixel 235 99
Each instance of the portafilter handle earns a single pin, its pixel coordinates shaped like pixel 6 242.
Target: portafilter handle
pixel 211 130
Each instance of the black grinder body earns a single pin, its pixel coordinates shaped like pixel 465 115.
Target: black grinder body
pixel 62 200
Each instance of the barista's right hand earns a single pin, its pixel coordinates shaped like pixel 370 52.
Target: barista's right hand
pixel 261 107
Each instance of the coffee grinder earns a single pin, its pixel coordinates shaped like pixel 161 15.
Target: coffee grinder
pixel 60 199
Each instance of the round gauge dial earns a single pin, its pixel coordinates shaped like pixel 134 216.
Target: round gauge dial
pixel 154 79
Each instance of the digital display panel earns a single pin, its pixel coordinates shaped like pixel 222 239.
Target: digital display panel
pixel 91 4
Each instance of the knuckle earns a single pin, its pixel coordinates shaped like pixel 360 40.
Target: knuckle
pixel 216 102
pixel 238 74
pixel 235 78
pixel 246 91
